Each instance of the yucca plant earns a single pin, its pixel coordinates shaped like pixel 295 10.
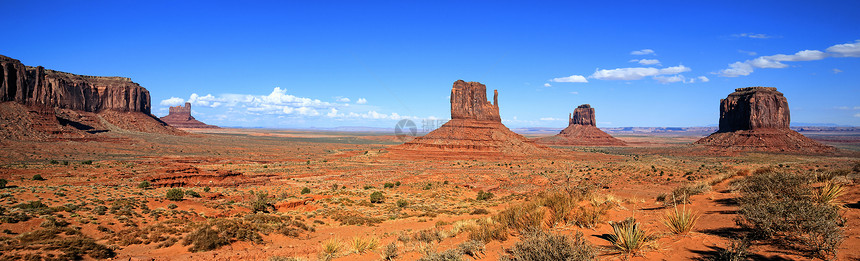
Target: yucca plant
pixel 330 249
pixel 680 221
pixel 361 245
pixel 628 238
pixel 829 194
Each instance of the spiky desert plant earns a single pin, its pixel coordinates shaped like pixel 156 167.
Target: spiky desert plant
pixel 680 221
pixel 361 244
pixel 628 238
pixel 829 194
pixel 330 249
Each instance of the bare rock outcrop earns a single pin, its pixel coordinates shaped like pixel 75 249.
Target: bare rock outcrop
pixel 757 119
pixel 38 103
pixel 180 117
pixel 582 131
pixel 475 128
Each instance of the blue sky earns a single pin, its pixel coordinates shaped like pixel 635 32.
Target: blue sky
pixel 290 64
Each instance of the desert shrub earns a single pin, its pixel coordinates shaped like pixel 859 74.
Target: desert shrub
pixel 355 218
pixel 388 185
pixel 361 244
pixel 204 239
pixel 75 248
pixel 38 177
pixel 628 238
pixel 402 203
pixel 472 248
pixel 100 210
pixel 398 182
pixel 143 184
pixel 540 245
pixel 175 194
pixel 284 258
pixel 206 189
pixel 428 235
pixel 486 230
pixel 484 195
pixel 590 215
pixel 192 193
pixel 306 190
pixel 479 211
pixel 561 206
pixel 781 206
pixel 262 204
pixel 390 252
pixel 737 251
pixel 449 255
pixel 681 195
pixel 3 183
pixel 680 221
pixel 330 249
pixel 172 206
pixel 521 217
pixel 87 162
pixel 377 197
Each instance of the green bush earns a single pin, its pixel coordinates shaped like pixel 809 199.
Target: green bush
pixel 262 204
pixel 206 189
pixel 388 185
pixel 172 206
pixel 398 182
pixel 306 190
pixel 540 245
pixel 38 177
pixel 175 194
pixel 143 184
pixel 192 193
pixel 484 195
pixel 3 183
pixel 377 197
pixel 781 206
pixel 87 162
pixel 402 203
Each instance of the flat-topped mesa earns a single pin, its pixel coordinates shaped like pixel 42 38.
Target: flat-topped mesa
pixel 753 108
pixel 469 101
pixel 582 115
pixel 180 117
pixel 179 110
pixel 37 86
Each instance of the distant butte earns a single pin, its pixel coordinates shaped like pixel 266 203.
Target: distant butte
pixel 180 117
pixel 475 128
pixel 757 119
pixel 582 131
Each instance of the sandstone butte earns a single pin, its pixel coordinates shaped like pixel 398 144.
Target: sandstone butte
pixel 757 119
pixel 40 104
pixel 180 117
pixel 582 131
pixel 475 128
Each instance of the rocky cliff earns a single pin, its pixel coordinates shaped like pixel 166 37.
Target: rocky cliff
pixel 475 129
pixel 41 104
pixel 582 131
pixel 180 117
pixel 37 86
pixel 469 101
pixel 757 119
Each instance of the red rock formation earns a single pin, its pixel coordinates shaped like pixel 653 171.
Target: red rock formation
pixel 757 118
pixel 40 104
pixel 180 117
pixel 582 131
pixel 475 128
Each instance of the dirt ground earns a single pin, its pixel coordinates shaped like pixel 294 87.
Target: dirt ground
pixel 260 194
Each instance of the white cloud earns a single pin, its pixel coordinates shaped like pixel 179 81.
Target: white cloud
pixel 550 119
pixel 670 79
pixel 835 71
pixel 636 73
pixel 172 101
pixel 343 99
pixel 857 115
pixel 332 113
pixel 205 101
pixel 645 61
pixel 547 85
pixel 750 53
pixel 572 78
pixel 754 36
pixel 845 50
pixel 361 101
pixel 642 52
pixel 574 92
pixel 704 79
pixel 775 61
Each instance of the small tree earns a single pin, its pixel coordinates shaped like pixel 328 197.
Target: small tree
pixel 143 184
pixel 263 203
pixel 377 197
pixel 175 194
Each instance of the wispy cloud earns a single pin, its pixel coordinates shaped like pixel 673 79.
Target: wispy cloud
pixel 642 52
pixel 835 71
pixel 750 53
pixel 172 101
pixel 342 99
pixel 646 61
pixel 361 101
pixel 572 78
pixel 776 61
pixel 636 73
pixel 754 36
pixel 547 85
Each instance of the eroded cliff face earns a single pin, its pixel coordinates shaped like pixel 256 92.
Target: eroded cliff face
pixel 754 108
pixel 469 101
pixel 583 115
pixel 37 86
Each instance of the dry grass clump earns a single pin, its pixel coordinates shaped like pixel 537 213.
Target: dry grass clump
pixel 784 207
pixel 628 238
pixel 70 242
pixel 521 217
pixel 681 195
pixel 737 251
pixel 829 194
pixel 330 249
pixel 362 244
pixel 390 252
pixel 486 230
pixel 561 206
pixel 592 214
pixel 429 235
pixel 680 221
pixel 540 245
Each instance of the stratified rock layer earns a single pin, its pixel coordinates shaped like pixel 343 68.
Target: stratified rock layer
pixel 37 103
pixel 757 119
pixel 581 131
pixel 180 117
pixel 475 128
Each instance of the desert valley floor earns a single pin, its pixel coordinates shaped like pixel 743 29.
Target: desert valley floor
pixel 259 194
